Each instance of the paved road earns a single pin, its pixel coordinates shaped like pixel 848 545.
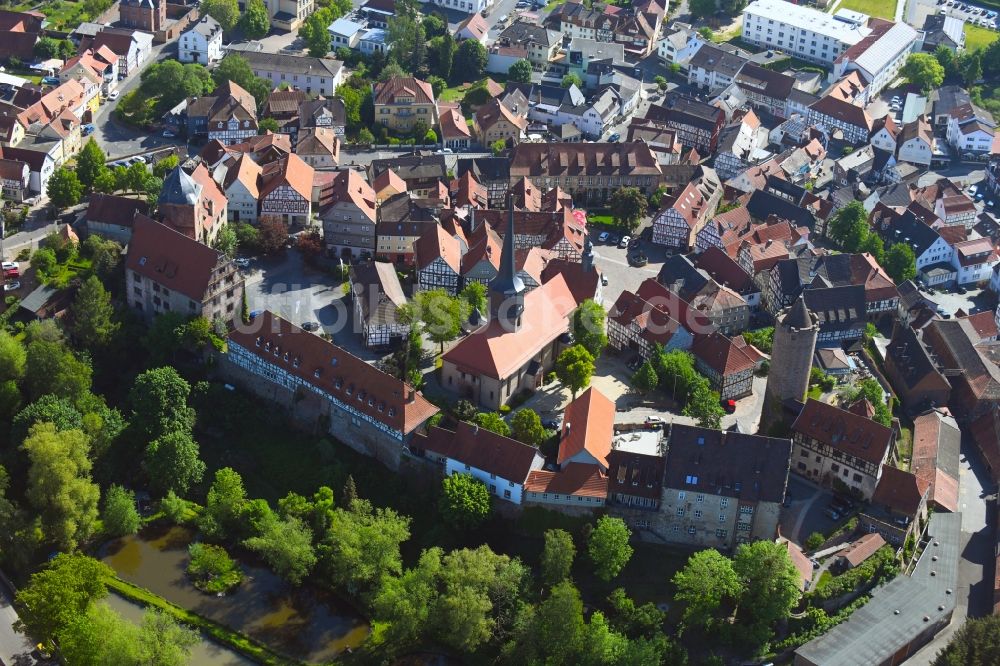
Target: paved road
pixel 15 648
pixel 119 140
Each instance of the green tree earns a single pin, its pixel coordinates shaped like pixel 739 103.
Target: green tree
pixel 971 67
pixel 61 592
pixel 761 338
pixel 556 632
pixel 44 262
pixel 608 547
pixel 163 641
pixel 587 326
pixel 159 403
pixel 703 584
pixel 13 360
pixel 271 235
pixel 923 70
pixel 403 603
pixel 99 636
pixel 224 506
pixel 645 380
pixel 874 246
pixel 318 40
pixel 627 205
pixel 90 164
pixel 47 47
pixel 120 516
pixel 212 569
pixel 444 53
pixel 56 410
pixel 571 79
pixel 498 147
pixel 50 366
pixel 815 540
pixel 236 68
pixel 437 86
pixel 442 315
pixel 227 242
pixel 465 501
pixel 574 367
pixel 661 82
pixel 493 422
pixel 470 61
pixel 527 427
pixel 286 545
pixel 255 22
pixel 520 72
pixel 946 58
pixel 226 12
pixel 172 462
pixel 360 550
pixel 871 390
pixel 165 166
pixel 406 36
pixel 702 8
pixel 704 405
pixel 59 485
pixel 557 556
pixel 474 294
pixel 265 125
pixel 976 643
pixel 92 315
pixel 770 582
pixel 64 188
pixel 901 263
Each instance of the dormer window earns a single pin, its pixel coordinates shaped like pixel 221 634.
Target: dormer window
pixel 295 362
pixel 276 349
pixel 286 357
pixel 258 340
pixel 338 383
pixel 350 389
pixel 371 402
pixel 381 407
pixel 392 411
pixel 317 372
pixel 267 346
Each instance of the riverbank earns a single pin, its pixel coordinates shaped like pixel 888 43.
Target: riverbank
pixel 264 618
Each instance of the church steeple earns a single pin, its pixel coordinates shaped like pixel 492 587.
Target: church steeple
pixel 507 289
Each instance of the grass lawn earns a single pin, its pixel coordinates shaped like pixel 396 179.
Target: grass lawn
pixel 824 580
pixel 977 37
pixel 65 14
pixel 881 8
pixel 815 392
pixel 455 93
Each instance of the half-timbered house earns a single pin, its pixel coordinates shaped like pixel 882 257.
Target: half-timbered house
pixel 377 296
pixel 286 191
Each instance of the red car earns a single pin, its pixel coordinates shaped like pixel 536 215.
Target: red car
pixel 11 269
pixel 729 405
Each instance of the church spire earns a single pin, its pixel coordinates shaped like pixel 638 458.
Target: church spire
pixel 507 289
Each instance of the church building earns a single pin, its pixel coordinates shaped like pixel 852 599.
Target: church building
pixel 519 342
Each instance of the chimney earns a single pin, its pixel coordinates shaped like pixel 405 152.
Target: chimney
pixel 566 429
pixel 411 394
pixel 475 429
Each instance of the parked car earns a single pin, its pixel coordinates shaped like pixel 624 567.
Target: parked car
pixel 603 238
pixel 11 269
pixel 310 326
pixel 963 290
pixel 169 134
pixel 11 286
pixel 729 405
pixel 242 262
pixel 551 424
pixel 623 243
pixel 113 95
pixel 613 239
pixel 615 137
pixel 831 514
pixel 50 80
pixel 87 129
pixel 653 420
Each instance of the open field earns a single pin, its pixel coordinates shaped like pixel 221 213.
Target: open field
pixel 977 37
pixel 881 8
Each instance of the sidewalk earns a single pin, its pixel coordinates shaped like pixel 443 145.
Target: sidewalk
pixel 15 648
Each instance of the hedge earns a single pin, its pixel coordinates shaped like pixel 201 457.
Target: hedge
pixel 234 639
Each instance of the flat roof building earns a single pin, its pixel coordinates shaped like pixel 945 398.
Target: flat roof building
pixel 802 31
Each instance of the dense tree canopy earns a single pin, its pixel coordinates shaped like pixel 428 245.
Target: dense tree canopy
pixel 557 556
pixel 574 367
pixel 628 205
pixel 588 327
pixel 703 584
pixel 976 643
pixel 465 501
pixel 608 547
pixel 119 516
pixel 526 426
pixel 286 545
pixel 923 70
pixel 159 403
pixel 61 592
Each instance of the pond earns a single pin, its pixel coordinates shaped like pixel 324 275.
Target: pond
pixel 304 623
pixel 205 652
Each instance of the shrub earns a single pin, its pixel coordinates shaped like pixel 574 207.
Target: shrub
pixel 212 569
pixel 814 541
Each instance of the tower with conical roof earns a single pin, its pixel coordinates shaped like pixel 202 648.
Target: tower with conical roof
pixel 507 289
pixel 795 334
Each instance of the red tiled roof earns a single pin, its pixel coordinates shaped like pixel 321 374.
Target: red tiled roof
pixel 588 425
pixel 435 242
pixel 900 491
pixel 925 461
pixel 863 548
pixel 350 186
pixel 844 431
pixel 420 91
pixel 480 448
pixel 985 323
pixel 290 170
pixel 801 562
pixel 170 258
pixel 326 366
pixel 720 354
pixel 577 479
pixel 497 353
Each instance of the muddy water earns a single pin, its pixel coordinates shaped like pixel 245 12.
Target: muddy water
pixel 204 653
pixel 304 623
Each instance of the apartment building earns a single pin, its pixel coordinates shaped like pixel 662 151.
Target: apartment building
pixel 879 56
pixel 804 32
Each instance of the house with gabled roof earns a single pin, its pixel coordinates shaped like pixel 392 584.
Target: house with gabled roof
pixel 403 100
pixel 898 507
pixel 913 373
pixel 228 115
pixel 377 296
pixel 166 271
pixel 192 203
pixel 111 216
pixel 728 363
pixel 652 316
pixel 721 488
pixel 937 443
pixel 502 464
pixel 831 445
pixel 349 219
pixel 368 410
pixel 836 114
pixel 684 215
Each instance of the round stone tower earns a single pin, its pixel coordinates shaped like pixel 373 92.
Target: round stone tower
pixel 795 335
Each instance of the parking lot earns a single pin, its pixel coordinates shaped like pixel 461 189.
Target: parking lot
pixel 805 512
pixel 986 18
